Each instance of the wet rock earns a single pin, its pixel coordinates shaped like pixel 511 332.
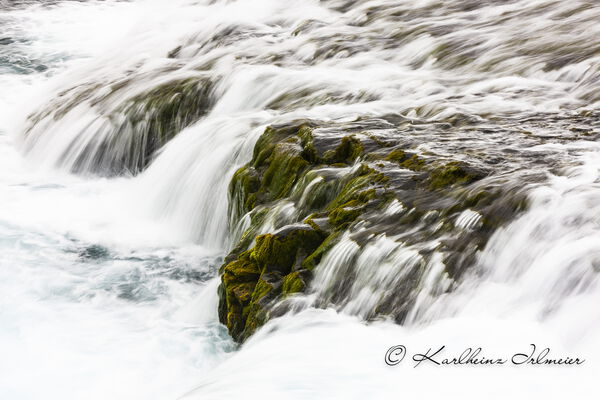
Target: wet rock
pixel 129 129
pixel 258 276
pixel 94 252
pixel 338 179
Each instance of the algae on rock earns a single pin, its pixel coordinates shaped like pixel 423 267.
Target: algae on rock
pixel 271 268
pixel 338 183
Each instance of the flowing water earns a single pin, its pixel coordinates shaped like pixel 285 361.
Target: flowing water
pixel 108 274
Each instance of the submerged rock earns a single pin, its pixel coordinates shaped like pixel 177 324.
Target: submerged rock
pixel 129 127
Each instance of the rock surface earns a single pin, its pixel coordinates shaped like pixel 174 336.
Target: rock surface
pixel 309 183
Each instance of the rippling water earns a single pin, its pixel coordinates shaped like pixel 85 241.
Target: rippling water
pixel 108 274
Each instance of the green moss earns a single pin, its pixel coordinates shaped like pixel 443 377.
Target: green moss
pixel 285 166
pixel 366 195
pixel 406 160
pixel 343 216
pixel 349 149
pixel 271 250
pixel 309 221
pixel 257 218
pixel 279 252
pixel 255 277
pixel 256 316
pixel 396 155
pixel 264 146
pixel 242 190
pixel 292 283
pixel 450 174
pixel 247 178
pixel 262 289
pixel 320 195
pixel 312 260
pixel 278 162
pixel 309 152
pixel 479 199
pixel 359 187
pixel 414 163
pixel 241 270
pixel 243 292
pixel 376 139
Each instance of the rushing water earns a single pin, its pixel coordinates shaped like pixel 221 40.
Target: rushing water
pixel 108 276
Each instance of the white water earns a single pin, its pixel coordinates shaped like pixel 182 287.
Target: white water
pixel 106 288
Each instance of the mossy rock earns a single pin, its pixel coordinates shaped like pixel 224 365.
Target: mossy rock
pixel 451 174
pixel 256 277
pixel 286 163
pixel 280 263
pixel 344 215
pixel 349 149
pixel 338 188
pixel 414 163
pixel 242 191
pixel 142 124
pixel 240 271
pixel 281 251
pixel 406 160
pixel 280 158
pixel 293 283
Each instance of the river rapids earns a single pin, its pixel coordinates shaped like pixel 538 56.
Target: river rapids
pixel 114 223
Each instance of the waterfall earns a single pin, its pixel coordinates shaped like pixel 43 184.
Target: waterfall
pixel 446 164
